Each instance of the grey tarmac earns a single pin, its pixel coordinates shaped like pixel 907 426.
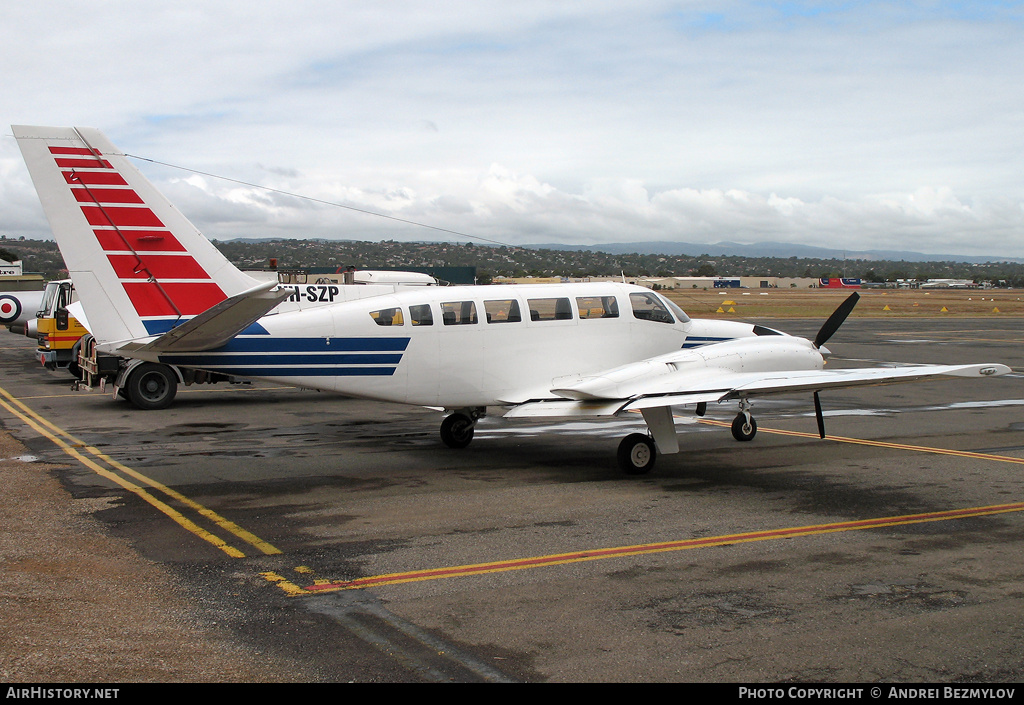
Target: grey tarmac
pixel 344 490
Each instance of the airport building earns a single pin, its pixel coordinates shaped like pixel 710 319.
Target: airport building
pixel 13 278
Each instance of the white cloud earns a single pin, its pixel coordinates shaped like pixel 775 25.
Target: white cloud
pixel 889 124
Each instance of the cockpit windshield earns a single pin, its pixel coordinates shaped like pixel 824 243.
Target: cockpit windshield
pixel 650 307
pixel 679 313
pixel 49 295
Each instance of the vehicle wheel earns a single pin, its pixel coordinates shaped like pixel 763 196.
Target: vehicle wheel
pixel 151 386
pixel 73 367
pixel 744 428
pixel 457 430
pixel 636 454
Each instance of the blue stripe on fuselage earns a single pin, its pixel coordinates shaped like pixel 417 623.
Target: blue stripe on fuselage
pixel 219 359
pixel 159 326
pixel 701 341
pixel 313 345
pixel 297 357
pixel 271 372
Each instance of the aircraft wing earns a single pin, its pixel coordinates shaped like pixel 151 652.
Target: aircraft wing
pixel 217 325
pixel 719 385
pixel 736 385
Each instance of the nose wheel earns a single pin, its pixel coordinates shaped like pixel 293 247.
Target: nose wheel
pixel 744 428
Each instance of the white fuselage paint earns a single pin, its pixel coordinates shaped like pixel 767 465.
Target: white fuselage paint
pixel 470 365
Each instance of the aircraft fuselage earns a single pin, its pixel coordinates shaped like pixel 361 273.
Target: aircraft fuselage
pixel 453 346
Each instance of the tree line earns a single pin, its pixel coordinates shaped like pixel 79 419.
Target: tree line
pixel 43 257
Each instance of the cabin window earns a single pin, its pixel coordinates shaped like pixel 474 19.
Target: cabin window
pixel 420 315
pixel 648 307
pixel 504 311
pixel 597 306
pixel 387 317
pixel 550 309
pixel 457 313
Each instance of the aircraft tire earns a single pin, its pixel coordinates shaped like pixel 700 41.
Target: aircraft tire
pixel 742 429
pixel 151 386
pixel 636 454
pixel 457 430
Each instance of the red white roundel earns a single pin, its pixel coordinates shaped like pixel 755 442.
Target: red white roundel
pixel 10 308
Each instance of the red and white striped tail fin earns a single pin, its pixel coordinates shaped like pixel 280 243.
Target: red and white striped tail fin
pixel 139 266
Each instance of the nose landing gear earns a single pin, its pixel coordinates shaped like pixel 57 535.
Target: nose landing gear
pixel 744 428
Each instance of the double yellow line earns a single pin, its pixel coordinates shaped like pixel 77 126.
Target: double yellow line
pixel 133 481
pixel 320 586
pixel 461 571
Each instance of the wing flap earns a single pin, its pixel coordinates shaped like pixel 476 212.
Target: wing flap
pixel 564 407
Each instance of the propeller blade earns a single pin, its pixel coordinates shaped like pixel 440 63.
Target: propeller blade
pixel 836 319
pixel 819 416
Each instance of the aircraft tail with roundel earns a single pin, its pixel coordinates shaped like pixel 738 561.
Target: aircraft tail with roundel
pixel 145 275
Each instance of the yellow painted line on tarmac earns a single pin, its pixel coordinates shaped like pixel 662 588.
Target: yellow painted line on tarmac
pixel 883 444
pixel 324 586
pixel 54 433
pixel 292 589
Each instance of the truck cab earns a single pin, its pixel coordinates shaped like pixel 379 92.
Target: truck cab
pixel 58 333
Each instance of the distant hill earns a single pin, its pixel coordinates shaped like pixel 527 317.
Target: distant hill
pixel 780 250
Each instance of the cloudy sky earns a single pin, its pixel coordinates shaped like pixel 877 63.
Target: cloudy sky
pixel 862 125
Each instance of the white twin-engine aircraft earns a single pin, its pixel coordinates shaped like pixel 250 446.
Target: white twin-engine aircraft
pixel 155 289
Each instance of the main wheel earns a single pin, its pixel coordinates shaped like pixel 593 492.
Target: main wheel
pixel 636 454
pixel 151 386
pixel 457 430
pixel 744 428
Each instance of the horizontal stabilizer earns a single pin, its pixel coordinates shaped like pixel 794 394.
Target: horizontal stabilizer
pixel 218 324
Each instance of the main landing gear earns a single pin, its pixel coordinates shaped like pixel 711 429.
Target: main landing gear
pixel 637 454
pixel 637 451
pixel 457 428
